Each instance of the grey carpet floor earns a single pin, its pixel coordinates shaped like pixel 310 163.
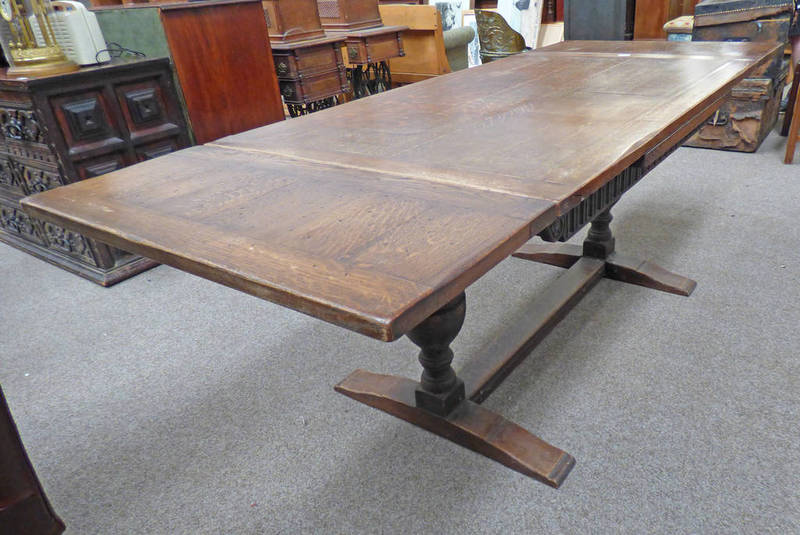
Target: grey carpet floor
pixel 168 404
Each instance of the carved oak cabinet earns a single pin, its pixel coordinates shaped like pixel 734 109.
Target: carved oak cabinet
pixel 59 129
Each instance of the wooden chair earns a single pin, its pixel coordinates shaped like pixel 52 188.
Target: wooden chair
pixel 791 120
pixel 423 43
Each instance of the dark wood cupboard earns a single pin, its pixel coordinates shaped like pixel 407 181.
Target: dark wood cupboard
pixel 55 130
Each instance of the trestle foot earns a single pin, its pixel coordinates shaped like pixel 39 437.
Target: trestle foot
pixel 446 404
pixel 600 244
pixel 618 267
pixel 468 425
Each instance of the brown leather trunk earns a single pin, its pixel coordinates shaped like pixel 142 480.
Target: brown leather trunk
pixel 767 29
pixel 717 12
pixel 742 123
pixel 746 118
pixel 24 509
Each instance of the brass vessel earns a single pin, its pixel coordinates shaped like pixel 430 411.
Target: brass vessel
pixel 29 41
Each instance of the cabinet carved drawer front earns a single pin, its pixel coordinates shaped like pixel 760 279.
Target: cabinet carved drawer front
pixel 16 222
pixel 142 105
pixel 154 150
pixel 68 242
pixel 100 166
pixel 35 180
pixel 86 123
pixel 10 182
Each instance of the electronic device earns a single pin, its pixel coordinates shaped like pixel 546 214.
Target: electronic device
pixel 78 33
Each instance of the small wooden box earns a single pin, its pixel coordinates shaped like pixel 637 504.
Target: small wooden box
pixel 348 15
pixel 292 20
pixel 376 45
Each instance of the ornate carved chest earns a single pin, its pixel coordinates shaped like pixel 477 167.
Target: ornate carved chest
pixel 60 129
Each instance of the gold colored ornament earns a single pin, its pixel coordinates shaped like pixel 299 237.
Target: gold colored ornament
pixel 30 46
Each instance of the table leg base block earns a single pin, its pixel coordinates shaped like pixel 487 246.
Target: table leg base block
pixel 469 425
pixel 618 267
pixel 441 403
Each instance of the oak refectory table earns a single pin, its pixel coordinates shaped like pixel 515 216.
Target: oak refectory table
pixel 377 215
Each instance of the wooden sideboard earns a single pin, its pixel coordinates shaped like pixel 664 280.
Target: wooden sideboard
pixel 61 129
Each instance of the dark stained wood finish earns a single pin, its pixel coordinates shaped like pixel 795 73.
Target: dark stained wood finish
pixel 363 250
pixel 505 352
pixel 397 145
pixel 443 393
pixel 224 61
pixel 470 425
pixel 789 115
pixel 374 217
pixel 618 267
pixel 56 130
pixel 604 104
pixel 440 389
pixel 791 119
pixel 24 508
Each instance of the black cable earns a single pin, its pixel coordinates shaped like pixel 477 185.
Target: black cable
pixel 116 50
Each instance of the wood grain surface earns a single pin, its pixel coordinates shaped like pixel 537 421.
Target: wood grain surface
pixel 556 123
pixel 374 253
pixel 223 58
pixel 374 214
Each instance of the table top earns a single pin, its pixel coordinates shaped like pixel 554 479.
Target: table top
pixel 374 214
